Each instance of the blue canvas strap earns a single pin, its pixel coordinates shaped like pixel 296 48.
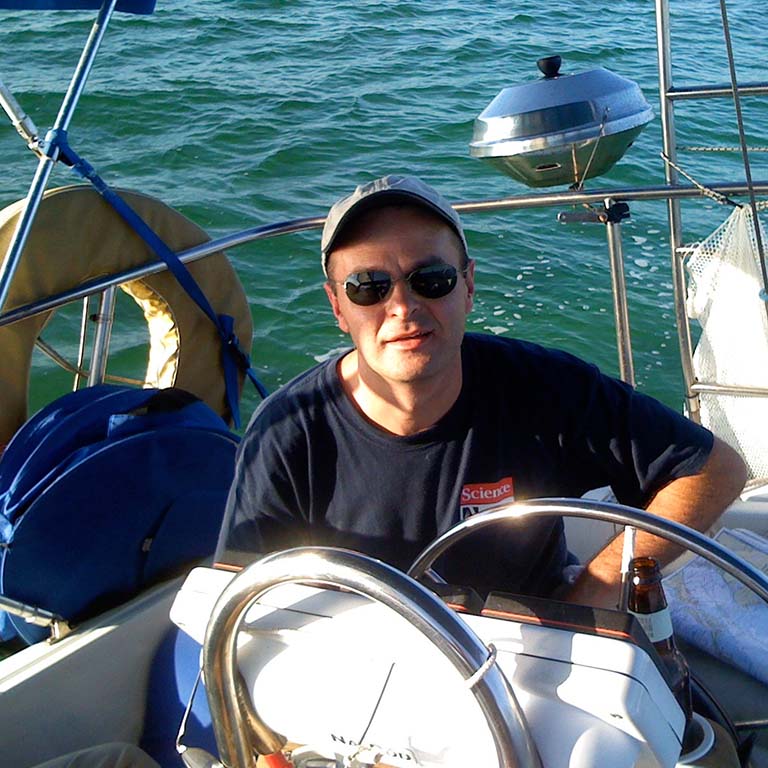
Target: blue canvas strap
pixel 234 359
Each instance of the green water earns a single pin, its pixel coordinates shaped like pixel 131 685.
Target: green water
pixel 244 113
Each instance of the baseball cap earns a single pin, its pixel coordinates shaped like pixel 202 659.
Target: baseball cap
pixel 407 189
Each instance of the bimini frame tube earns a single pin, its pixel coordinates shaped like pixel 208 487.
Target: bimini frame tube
pixel 377 581
pixel 50 150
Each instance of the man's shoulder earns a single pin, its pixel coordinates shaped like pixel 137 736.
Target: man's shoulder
pixel 492 352
pixel 300 398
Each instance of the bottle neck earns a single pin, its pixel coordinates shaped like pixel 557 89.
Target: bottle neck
pixel 646 598
pixel 646 595
pixel 648 603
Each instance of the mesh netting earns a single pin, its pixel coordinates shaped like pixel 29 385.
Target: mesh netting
pixel 725 281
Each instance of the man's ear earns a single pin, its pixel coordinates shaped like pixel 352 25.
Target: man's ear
pixel 333 299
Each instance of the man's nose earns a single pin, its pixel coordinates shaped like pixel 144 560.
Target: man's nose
pixel 402 301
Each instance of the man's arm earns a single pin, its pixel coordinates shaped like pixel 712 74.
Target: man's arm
pixel 696 501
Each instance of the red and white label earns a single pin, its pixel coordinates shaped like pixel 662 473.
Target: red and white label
pixel 479 497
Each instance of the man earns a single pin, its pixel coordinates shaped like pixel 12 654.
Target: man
pixel 419 425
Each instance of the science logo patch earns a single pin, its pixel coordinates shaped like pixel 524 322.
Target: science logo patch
pixel 479 497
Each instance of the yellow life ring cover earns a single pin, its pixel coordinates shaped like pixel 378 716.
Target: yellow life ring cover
pixel 78 237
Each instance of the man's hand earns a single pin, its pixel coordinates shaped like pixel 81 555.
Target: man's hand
pixel 696 501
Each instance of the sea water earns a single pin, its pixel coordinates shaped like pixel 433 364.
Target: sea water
pixel 243 113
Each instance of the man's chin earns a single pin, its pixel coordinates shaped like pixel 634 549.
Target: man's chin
pixel 412 367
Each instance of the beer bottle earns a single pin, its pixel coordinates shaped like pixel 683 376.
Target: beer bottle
pixel 649 605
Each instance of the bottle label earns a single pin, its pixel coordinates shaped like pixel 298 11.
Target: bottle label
pixel 658 625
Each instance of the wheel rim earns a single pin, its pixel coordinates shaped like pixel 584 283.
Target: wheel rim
pixel 377 581
pixel 621 514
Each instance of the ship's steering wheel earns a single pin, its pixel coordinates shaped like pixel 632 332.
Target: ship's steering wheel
pixel 241 732
pixel 619 514
pixel 230 705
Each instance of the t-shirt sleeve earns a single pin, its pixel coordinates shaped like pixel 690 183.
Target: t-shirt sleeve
pixel 638 442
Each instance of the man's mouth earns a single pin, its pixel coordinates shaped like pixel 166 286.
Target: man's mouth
pixel 412 338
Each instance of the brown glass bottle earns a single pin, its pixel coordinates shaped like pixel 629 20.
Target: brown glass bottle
pixel 649 605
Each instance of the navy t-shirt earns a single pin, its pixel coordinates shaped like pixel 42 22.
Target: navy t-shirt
pixel 530 422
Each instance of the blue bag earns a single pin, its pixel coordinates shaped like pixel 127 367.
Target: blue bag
pixel 104 492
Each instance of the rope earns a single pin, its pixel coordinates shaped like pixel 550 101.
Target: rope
pixel 718 197
pixel 579 184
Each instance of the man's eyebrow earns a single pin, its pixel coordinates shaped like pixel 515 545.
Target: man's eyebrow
pixel 428 261
pixel 424 261
pixel 359 270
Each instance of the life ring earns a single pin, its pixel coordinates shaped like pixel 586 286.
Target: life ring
pixel 77 237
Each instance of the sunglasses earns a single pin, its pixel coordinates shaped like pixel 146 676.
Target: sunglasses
pixel 431 282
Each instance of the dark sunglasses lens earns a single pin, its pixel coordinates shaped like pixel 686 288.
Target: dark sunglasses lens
pixel 433 282
pixel 367 288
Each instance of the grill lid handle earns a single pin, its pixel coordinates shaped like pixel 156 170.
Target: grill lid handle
pixel 549 66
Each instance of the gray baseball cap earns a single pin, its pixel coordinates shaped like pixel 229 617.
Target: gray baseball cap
pixel 407 189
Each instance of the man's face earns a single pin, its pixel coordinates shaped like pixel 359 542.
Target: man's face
pixel 404 337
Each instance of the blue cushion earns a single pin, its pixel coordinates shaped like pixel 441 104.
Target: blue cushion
pixel 171 680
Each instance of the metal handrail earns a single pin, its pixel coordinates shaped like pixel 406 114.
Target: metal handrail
pixel 57 625
pixel 674 216
pixel 668 95
pixel 620 514
pixel 620 303
pixel 717 91
pixel 712 388
pixel 293 226
pixel 105 318
pixel 381 583
pixel 186 256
